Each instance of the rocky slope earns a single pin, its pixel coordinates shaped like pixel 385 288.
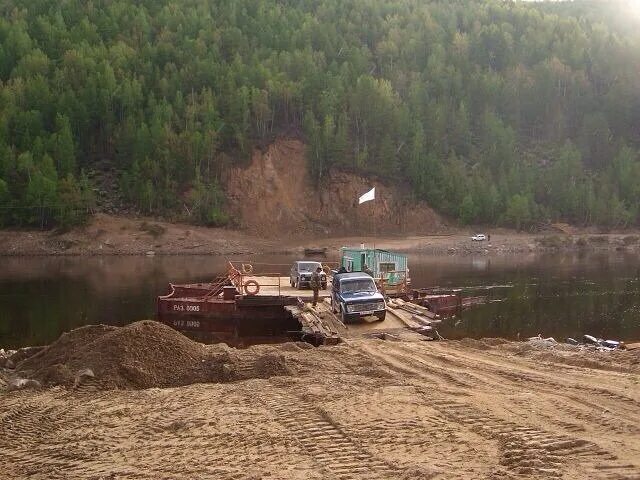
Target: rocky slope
pixel 274 196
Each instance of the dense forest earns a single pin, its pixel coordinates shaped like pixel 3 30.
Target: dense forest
pixel 493 112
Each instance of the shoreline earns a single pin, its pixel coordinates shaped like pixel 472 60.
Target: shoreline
pixel 121 236
pixel 459 246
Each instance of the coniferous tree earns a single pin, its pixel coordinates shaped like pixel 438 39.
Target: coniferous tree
pixel 496 112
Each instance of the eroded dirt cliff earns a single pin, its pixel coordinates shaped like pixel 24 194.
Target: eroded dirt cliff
pixel 274 195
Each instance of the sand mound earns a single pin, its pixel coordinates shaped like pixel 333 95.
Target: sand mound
pixel 543 350
pixel 619 361
pixel 577 356
pixel 483 343
pixel 142 355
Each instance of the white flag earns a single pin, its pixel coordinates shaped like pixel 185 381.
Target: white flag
pixel 370 195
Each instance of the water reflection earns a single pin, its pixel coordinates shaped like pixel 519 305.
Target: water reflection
pixel 557 295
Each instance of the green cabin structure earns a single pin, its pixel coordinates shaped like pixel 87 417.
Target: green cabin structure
pixel 386 265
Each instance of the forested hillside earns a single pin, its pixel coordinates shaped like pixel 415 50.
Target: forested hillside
pixel 493 112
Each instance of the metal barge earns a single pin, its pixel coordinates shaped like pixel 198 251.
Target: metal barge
pixel 243 306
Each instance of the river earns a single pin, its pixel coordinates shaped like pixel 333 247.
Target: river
pixel 555 295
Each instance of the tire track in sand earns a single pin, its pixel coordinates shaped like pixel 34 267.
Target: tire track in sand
pixel 525 450
pixel 324 440
pixel 518 373
pixel 28 425
pixel 410 434
pixel 569 399
pixel 495 375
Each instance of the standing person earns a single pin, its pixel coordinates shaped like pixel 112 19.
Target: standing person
pixel 489 237
pixel 367 270
pixel 315 284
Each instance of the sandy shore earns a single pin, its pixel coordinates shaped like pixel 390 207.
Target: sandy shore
pixel 110 235
pixel 366 409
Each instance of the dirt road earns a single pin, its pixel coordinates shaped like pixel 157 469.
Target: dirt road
pixel 113 235
pixel 366 409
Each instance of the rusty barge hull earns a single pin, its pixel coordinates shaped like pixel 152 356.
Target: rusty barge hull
pixel 189 308
pixel 223 311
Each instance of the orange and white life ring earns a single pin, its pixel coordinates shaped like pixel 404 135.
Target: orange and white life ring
pixel 247 268
pixel 251 291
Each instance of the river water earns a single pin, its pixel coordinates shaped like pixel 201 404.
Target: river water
pixel 556 295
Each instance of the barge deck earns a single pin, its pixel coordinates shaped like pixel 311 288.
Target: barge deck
pixel 242 304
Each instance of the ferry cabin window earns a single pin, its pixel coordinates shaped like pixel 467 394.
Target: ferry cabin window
pixel 386 267
pixel 349 265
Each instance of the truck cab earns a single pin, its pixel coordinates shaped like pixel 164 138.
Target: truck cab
pixel 355 295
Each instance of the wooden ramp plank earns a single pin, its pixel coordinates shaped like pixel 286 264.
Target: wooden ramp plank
pixel 312 322
pixel 324 325
pixel 414 309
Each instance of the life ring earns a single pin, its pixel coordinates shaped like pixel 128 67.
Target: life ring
pixel 247 268
pixel 253 291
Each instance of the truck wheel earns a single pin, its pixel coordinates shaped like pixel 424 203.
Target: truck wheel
pixel 343 315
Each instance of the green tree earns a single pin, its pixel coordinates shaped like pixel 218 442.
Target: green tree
pixel 468 210
pixel 62 148
pixel 71 210
pixel 465 102
pixel 207 203
pixel 518 212
pixel 5 197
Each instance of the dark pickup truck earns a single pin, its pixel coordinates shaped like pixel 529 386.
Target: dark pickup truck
pixel 355 295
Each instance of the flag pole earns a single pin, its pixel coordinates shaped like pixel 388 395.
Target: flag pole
pixel 373 206
pixel 370 196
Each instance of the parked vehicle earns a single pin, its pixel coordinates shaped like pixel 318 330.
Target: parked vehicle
pixel 479 237
pixel 301 271
pixel 316 251
pixel 355 295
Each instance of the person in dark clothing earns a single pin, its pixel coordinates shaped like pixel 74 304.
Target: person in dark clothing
pixel 315 284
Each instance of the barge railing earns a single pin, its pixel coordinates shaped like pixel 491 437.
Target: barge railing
pixel 245 280
pixel 246 266
pixel 394 282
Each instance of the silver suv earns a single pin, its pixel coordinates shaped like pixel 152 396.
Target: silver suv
pixel 301 271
